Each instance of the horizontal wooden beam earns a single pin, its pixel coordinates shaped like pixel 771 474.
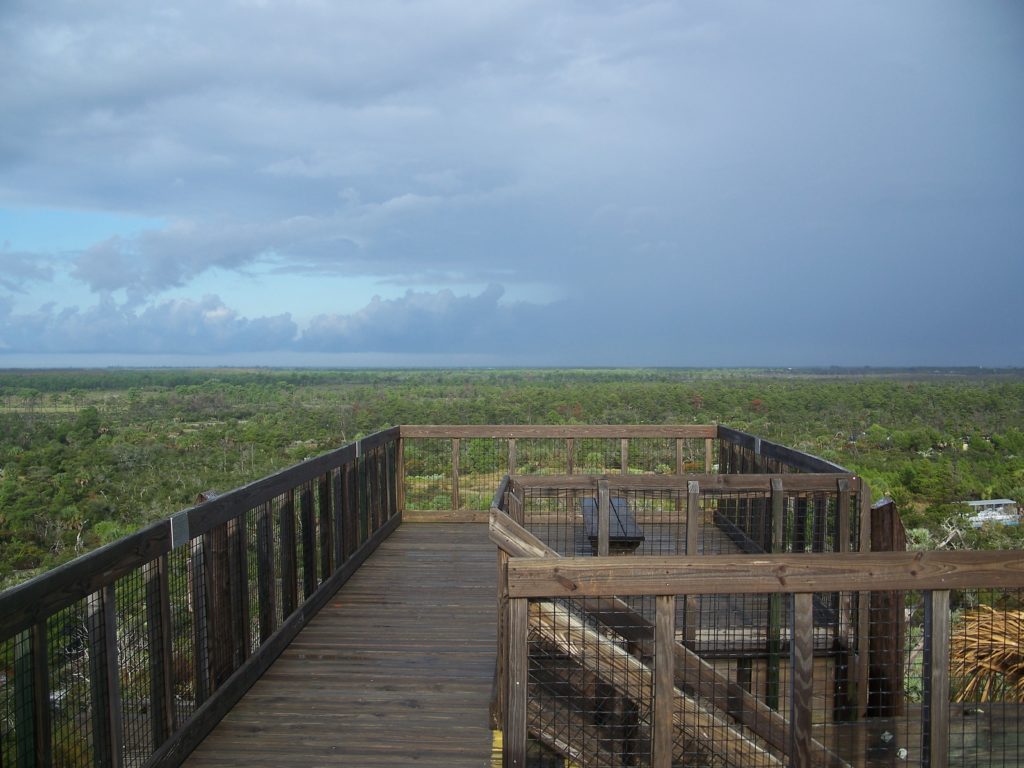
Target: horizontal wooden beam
pixel 559 430
pixel 763 574
pixel 796 483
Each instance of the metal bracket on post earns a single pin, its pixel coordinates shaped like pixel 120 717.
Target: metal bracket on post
pixel 179 530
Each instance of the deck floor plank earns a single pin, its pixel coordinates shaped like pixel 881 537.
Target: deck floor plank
pixel 397 668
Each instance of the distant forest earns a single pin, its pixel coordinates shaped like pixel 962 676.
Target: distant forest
pixel 87 456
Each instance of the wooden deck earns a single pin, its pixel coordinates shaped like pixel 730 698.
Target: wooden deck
pixel 396 669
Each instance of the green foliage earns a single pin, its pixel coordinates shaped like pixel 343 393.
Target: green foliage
pixel 86 456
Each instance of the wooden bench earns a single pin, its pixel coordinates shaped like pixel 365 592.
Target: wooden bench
pixel 624 535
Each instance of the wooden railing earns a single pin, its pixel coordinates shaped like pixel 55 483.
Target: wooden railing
pixel 451 471
pixel 572 625
pixel 130 654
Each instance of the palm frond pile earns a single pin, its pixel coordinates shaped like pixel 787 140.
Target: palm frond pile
pixel 987 655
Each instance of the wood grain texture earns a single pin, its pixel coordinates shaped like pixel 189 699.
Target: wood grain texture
pixel 764 574
pixel 396 669
pixel 557 430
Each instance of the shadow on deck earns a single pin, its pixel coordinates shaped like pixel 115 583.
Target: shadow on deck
pixel 396 668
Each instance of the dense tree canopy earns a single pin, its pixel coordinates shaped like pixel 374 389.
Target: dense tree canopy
pixel 86 456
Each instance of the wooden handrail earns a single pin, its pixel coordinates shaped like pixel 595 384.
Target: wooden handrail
pixel 507 431
pixel 764 574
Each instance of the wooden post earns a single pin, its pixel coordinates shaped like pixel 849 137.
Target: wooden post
pixel 338 516
pixel 801 678
pixel 570 455
pixel 289 572
pixel 105 683
pixel 238 573
pixel 775 607
pixel 308 540
pixel 455 473
pixel 709 447
pixel 514 741
pixel 325 527
pixel 693 514
pixel 400 472
pixel 680 456
pixel 31 713
pixel 935 740
pixel 158 631
pixel 624 455
pixel 664 685
pixel 216 575
pixel 603 513
pixel 693 525
pixel 863 605
pixel 200 626
pixel 265 571
pixel 511 456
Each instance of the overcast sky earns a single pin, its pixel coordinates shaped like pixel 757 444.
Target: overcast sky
pixel 554 183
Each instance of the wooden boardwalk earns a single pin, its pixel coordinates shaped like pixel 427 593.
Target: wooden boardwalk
pixel 397 669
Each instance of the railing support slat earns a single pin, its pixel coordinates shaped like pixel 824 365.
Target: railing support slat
pixel 158 627
pixel 108 731
pixel 935 740
pixel 802 678
pixel 775 605
pixel 456 501
pixel 603 513
pixel 265 571
pixel 664 684
pixel 514 742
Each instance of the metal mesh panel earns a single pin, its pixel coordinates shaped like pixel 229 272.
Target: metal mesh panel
pixel 482 462
pixel 73 708
pixel 552 516
pixel 589 698
pixel 183 667
pixel 428 465
pixel 541 456
pixel 133 661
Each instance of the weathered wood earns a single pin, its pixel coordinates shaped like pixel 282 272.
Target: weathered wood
pixel 624 455
pixel 308 521
pixel 691 671
pixel 709 452
pixel 936 678
pixel 888 623
pixel 35 600
pixel 732 484
pixel 104 681
pixel 775 607
pixel 203 720
pixel 238 573
pixel 664 684
pixel 691 615
pixel 570 455
pixel 338 520
pixel 512 459
pixel 803 462
pixel 400 476
pixel 603 512
pixel 445 516
pixel 557 431
pixel 325 526
pixel 286 536
pixel 802 679
pixel 158 640
pixel 456 501
pixel 514 742
pixel 217 581
pixel 265 571
pixel 734 574
pixel 199 606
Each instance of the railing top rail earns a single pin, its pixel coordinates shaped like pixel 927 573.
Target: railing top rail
pixel 763 574
pixel 525 431
pixel 792 483
pixel 805 462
